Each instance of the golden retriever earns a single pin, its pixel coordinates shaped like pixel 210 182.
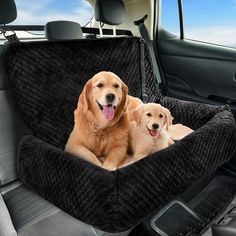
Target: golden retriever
pixel 149 130
pixel 179 131
pixel 102 123
pixel 100 133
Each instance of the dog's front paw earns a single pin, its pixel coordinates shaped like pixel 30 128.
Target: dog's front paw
pixel 109 166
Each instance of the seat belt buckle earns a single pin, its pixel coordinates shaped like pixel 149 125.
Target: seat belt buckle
pixel 11 38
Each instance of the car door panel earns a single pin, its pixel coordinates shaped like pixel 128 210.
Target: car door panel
pixel 199 72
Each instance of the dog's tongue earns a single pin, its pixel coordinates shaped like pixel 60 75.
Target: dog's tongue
pixel 153 132
pixel 108 112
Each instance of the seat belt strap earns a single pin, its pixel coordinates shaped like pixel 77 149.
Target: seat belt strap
pixel 145 35
pixel 142 68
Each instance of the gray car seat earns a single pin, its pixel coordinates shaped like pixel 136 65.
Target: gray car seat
pixel 22 212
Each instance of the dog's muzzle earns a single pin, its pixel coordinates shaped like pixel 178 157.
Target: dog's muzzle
pixel 154 132
pixel 107 110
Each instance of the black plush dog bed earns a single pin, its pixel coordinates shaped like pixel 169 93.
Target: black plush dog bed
pixel 46 79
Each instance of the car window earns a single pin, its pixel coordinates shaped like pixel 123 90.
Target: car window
pixel 31 12
pixel 170 16
pixel 212 21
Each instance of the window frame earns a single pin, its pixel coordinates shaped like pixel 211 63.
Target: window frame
pixel 157 16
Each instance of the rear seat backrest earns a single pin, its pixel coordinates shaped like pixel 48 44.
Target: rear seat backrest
pixel 63 30
pixel 11 129
pixel 10 125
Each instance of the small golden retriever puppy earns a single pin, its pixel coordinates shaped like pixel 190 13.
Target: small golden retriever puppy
pixel 149 130
pixel 179 131
pixel 100 133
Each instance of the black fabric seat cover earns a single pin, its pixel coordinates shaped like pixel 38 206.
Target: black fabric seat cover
pixel 46 79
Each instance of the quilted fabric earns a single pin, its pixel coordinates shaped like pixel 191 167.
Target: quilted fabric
pixel 46 80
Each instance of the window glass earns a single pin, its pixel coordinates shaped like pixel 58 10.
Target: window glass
pixel 32 12
pixel 170 16
pixel 212 21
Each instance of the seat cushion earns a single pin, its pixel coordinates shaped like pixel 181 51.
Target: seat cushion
pixel 33 216
pixel 6 226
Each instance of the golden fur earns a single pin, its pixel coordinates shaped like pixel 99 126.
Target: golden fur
pixel 104 130
pixel 149 130
pixel 101 139
pixel 179 131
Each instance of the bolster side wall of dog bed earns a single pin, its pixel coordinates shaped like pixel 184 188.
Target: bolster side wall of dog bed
pixel 78 187
pixel 115 201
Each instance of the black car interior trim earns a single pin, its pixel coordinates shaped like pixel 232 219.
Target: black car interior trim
pixel 181 18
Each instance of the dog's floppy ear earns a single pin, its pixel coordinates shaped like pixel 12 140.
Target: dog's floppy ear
pixel 84 98
pixel 168 117
pixel 136 114
pixel 125 91
pixel 121 107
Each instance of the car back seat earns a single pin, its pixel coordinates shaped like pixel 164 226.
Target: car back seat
pixel 22 212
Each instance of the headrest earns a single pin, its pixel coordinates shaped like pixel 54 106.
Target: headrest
pixel 7 11
pixel 110 12
pixel 63 30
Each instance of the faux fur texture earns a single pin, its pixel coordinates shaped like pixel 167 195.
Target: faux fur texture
pixel 46 80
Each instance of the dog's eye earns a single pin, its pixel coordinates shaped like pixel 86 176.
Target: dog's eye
pixel 100 85
pixel 161 116
pixel 149 114
pixel 116 85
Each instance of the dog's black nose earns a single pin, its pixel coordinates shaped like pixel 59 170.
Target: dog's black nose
pixel 110 97
pixel 155 126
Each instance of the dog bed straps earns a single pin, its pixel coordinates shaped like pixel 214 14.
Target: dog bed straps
pixel 143 73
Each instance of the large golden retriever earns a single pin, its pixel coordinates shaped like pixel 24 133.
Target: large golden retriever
pixel 100 133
